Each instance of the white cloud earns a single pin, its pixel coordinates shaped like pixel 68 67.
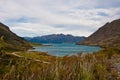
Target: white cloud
pixel 40 17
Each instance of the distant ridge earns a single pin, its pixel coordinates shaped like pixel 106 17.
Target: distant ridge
pixel 56 38
pixel 106 36
pixel 10 41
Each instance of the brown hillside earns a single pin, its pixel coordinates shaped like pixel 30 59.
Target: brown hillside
pixel 106 36
pixel 9 40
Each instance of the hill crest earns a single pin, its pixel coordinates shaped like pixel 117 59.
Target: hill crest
pixel 56 38
pixel 106 36
pixel 10 41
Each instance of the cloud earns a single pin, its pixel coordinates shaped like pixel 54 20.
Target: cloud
pixel 41 17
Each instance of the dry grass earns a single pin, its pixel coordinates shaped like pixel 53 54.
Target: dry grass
pixel 97 66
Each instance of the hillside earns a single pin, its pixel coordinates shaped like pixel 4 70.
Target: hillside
pixel 10 41
pixel 106 36
pixel 55 38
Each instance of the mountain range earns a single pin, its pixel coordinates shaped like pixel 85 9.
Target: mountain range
pixel 106 36
pixel 55 38
pixel 10 41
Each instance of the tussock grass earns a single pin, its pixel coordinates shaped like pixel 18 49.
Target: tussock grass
pixel 96 66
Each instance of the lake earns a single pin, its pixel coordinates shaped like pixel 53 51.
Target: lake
pixel 66 49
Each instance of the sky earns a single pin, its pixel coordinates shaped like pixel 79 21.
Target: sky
pixel 43 17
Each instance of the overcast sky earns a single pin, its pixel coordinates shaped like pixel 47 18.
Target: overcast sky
pixel 42 17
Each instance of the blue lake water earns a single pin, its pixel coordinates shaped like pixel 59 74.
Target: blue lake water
pixel 66 49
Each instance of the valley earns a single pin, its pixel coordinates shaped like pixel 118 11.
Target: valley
pixel 19 62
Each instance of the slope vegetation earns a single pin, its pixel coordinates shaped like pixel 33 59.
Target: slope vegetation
pixel 10 41
pixel 106 36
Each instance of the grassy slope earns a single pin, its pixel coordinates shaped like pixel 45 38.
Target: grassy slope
pixel 106 36
pixel 10 41
pixel 97 66
pixel 35 44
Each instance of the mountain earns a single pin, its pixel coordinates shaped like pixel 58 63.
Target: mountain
pixel 55 38
pixel 106 36
pixel 10 41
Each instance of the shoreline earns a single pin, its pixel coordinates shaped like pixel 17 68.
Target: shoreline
pixel 61 54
